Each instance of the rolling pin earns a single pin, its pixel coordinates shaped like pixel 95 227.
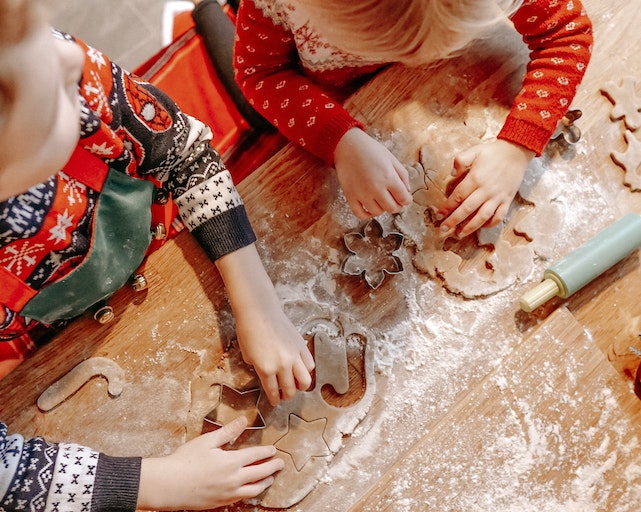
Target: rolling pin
pixel 587 262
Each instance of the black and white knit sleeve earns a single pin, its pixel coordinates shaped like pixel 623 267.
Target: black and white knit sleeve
pixel 207 199
pixel 178 153
pixel 38 476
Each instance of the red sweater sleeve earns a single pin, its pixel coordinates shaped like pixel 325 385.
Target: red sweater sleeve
pixel 267 69
pixel 559 36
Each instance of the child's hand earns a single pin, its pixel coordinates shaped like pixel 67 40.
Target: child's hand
pixel 200 475
pixel 279 354
pixel 490 176
pixel 267 339
pixel 373 180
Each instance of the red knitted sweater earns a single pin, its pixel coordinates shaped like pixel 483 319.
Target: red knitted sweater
pixel 297 81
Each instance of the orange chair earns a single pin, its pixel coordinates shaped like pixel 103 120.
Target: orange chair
pixel 196 71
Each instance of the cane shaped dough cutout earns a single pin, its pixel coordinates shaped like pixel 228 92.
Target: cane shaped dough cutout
pixel 63 388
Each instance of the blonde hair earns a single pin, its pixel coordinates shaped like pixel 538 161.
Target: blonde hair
pixel 409 31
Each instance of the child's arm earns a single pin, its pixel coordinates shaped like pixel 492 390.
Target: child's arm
pixel 35 472
pixel 267 68
pixel 201 475
pixel 559 36
pixel 372 178
pixel 267 338
pixel 268 72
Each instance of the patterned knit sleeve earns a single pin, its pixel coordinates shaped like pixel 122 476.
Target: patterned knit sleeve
pixel 559 36
pixel 267 70
pixel 175 148
pixel 45 477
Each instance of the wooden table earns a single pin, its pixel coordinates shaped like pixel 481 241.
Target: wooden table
pixel 478 406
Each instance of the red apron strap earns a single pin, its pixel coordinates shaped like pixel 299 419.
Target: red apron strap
pixel 87 168
pixel 14 293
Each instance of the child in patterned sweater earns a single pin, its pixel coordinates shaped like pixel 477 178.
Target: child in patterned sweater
pixel 296 60
pixel 85 149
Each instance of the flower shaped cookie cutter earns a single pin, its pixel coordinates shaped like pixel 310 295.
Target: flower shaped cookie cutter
pixel 372 253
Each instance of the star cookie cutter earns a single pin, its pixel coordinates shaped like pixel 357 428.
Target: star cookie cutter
pixel 234 404
pixel 372 253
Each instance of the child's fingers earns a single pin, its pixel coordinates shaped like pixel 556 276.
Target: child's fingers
pixel 301 375
pixel 257 462
pixel 308 359
pixel 359 210
pixel 227 433
pixel 253 489
pixel 270 387
pixel 287 384
pixel 399 196
pixel 463 162
pixel 373 207
pixel 404 176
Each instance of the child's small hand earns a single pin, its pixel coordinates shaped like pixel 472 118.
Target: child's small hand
pixel 200 475
pixel 267 338
pixel 279 354
pixel 490 176
pixel 373 180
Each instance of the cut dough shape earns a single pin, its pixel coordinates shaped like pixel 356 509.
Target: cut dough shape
pixel 304 440
pixel 65 387
pixel 307 430
pixel 630 161
pixel 626 105
pixel 480 265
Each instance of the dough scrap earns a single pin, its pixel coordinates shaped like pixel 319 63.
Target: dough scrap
pixel 482 264
pixel 626 105
pixel 65 387
pixel 308 430
pixel 630 161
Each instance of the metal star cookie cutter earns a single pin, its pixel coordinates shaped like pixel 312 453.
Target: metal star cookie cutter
pixel 233 404
pixel 371 253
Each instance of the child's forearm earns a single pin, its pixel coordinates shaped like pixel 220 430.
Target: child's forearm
pixel 246 280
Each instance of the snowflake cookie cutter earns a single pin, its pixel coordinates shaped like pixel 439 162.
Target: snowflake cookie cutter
pixel 372 253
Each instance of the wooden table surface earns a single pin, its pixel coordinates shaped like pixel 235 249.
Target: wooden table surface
pixel 477 405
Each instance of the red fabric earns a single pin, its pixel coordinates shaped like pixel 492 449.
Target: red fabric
pixel 183 71
pixel 87 168
pixel 305 107
pixel 14 292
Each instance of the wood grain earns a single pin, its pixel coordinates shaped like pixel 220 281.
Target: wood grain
pixel 479 406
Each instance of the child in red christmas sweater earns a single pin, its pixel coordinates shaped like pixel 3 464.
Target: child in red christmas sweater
pixel 80 140
pixel 296 60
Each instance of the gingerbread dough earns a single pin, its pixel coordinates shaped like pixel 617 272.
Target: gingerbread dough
pixel 630 161
pixel 62 389
pixel 311 428
pixel 481 264
pixel 626 105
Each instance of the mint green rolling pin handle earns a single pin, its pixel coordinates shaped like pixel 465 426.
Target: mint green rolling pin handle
pixel 585 263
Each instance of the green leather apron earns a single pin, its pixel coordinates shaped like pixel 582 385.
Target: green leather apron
pixel 120 234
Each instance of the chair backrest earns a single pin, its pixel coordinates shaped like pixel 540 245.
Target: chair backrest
pixel 196 71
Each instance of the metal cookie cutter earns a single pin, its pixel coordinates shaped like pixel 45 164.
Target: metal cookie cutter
pixel 566 129
pixel 233 404
pixel 372 253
